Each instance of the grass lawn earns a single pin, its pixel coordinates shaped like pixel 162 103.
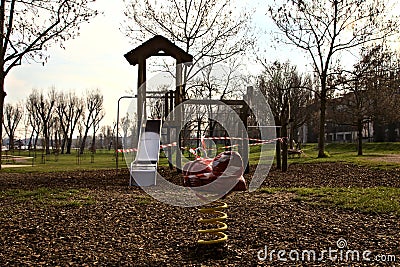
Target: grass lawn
pixel 374 155
pixel 366 200
pixel 369 200
pixel 102 159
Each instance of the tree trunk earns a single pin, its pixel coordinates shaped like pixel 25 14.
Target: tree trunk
pixel 94 143
pixel 360 137
pixel 321 139
pixel 82 148
pixel 69 145
pixel 36 140
pixel 69 142
pixel 198 134
pixel 83 144
pixel 392 132
pixel 379 131
pixel 63 143
pixel 2 97
pixel 56 147
pixel 46 139
pixel 30 141
pixel 11 142
pixel 110 145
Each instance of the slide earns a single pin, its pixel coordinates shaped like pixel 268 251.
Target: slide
pixel 144 167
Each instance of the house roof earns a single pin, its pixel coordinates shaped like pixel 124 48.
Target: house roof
pixel 153 47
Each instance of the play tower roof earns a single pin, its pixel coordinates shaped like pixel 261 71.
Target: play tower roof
pixel 158 46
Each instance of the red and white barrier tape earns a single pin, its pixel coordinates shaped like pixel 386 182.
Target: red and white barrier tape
pixel 233 138
pixel 168 145
pixel 259 142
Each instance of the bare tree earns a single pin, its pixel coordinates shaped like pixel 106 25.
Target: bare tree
pixel 355 106
pixel 287 93
pixel 13 115
pixel 217 81
pixel 108 135
pixel 126 124
pixel 324 29
pixel 211 30
pixel 43 108
pixel 93 115
pixel 61 109
pixel 97 116
pixel 33 120
pixel 214 81
pixel 28 28
pixel 55 134
pixel 383 90
pixel 69 109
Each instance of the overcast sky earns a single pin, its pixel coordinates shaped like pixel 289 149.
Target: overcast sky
pixel 95 60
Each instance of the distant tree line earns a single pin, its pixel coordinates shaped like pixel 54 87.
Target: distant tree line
pixel 54 117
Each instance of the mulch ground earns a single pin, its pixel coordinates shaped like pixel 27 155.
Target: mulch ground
pixel 120 229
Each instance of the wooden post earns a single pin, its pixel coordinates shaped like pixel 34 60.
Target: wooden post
pixel 171 103
pixel 166 105
pixel 244 148
pixel 179 115
pixel 285 137
pixel 168 108
pixel 141 95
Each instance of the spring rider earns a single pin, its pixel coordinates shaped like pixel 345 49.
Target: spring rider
pixel 215 175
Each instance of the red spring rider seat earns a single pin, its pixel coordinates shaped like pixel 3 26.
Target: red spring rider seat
pixel 225 168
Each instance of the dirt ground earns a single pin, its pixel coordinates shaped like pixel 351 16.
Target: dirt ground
pixel 392 158
pixel 119 228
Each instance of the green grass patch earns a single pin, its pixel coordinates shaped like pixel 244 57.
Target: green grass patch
pixel 102 159
pixel 347 153
pixel 366 200
pixel 44 196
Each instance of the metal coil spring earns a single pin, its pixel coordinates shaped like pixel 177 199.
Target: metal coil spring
pixel 221 226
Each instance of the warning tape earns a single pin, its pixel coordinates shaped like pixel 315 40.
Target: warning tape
pixel 127 150
pixel 234 138
pixel 168 145
pixel 259 142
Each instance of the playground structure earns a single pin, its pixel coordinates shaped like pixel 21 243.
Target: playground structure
pixel 157 46
pixel 143 168
pixel 175 104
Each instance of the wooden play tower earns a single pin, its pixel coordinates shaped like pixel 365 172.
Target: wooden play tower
pixel 159 46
